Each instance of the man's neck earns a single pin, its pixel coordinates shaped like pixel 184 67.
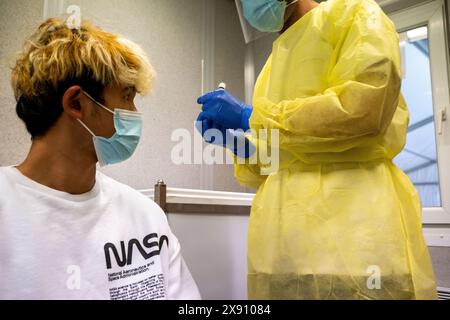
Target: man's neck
pixel 305 6
pixel 58 169
pixel 301 9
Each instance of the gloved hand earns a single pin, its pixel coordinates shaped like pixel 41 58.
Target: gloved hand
pixel 231 139
pixel 223 109
pixel 203 125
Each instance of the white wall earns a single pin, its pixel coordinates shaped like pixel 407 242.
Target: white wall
pixel 215 249
pixel 17 20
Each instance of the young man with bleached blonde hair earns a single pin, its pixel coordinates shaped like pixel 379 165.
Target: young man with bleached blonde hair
pixel 69 231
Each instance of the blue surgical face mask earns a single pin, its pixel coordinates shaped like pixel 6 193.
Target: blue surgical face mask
pixel 265 15
pixel 123 143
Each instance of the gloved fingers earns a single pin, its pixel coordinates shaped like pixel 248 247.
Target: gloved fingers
pixel 245 120
pixel 203 124
pixel 209 96
pixel 209 120
pixel 209 114
pixel 213 112
pixel 207 125
pixel 217 126
pixel 214 136
pixel 200 117
pixel 199 120
pixel 200 123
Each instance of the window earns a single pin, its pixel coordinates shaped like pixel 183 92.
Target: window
pixel 419 158
pixel 425 87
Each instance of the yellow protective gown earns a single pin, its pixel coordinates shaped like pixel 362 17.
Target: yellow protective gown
pixel 338 220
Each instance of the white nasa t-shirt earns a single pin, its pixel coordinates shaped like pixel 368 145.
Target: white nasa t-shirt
pixel 109 243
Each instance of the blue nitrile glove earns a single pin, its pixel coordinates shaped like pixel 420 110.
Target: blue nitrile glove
pixel 231 139
pixel 241 146
pixel 222 108
pixel 202 125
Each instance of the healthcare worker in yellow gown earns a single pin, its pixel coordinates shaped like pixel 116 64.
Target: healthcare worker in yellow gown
pixel 337 220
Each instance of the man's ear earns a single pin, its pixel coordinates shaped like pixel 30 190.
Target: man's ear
pixel 71 102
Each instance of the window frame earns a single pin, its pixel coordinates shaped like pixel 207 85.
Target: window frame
pixel 432 15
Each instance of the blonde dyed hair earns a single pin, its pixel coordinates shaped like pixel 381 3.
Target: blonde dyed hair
pixel 56 53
